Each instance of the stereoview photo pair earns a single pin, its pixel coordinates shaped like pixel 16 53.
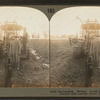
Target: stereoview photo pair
pixel 60 52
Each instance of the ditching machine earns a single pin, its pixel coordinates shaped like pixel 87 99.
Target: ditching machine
pixel 89 41
pixel 13 44
pixel 13 47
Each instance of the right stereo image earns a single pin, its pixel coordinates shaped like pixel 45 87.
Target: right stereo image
pixel 75 47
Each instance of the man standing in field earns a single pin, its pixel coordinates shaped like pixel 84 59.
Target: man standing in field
pixel 24 41
pixel 15 51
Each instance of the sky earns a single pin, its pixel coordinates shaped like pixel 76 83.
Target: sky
pixel 64 22
pixel 34 20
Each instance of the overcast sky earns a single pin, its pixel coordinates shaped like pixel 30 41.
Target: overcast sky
pixel 62 22
pixel 34 20
pixel 65 22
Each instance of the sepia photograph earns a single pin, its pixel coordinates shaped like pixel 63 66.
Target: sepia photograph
pixel 24 47
pixel 50 49
pixel 75 47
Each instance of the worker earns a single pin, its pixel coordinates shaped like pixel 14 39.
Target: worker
pixel 24 41
pixel 95 50
pixel 15 51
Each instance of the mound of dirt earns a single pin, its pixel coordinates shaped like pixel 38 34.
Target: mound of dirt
pixel 41 46
pixel 31 74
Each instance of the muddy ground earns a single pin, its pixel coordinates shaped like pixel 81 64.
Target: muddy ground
pixel 66 70
pixel 33 72
pixel 42 48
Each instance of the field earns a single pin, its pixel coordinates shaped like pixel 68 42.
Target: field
pixel 63 70
pixel 66 70
pixel 34 72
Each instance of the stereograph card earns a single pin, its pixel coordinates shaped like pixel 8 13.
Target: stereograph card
pixel 50 51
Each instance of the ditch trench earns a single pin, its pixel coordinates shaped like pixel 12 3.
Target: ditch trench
pixel 9 70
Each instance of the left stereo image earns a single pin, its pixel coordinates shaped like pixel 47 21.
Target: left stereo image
pixel 24 47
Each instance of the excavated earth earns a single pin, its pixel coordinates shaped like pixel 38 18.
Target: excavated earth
pixel 33 72
pixel 66 69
